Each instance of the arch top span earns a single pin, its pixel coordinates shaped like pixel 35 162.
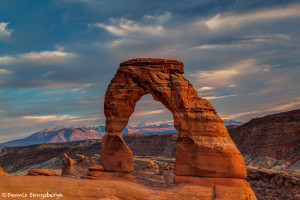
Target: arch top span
pixel 168 66
pixel 204 147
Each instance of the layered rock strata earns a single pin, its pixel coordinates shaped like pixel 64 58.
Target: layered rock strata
pixel 204 149
pixel 271 141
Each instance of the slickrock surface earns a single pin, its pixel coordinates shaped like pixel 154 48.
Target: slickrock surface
pixel 204 147
pixel 96 175
pixel 266 184
pixel 272 141
pixel 84 189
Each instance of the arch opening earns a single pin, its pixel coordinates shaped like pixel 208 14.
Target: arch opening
pixel 149 110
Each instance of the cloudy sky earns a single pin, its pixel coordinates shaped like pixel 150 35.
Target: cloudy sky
pixel 57 57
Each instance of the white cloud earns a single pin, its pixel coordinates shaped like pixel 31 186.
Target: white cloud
pixel 204 89
pixel 57 118
pixel 224 46
pixel 287 106
pixel 47 118
pixel 131 32
pixel 151 112
pixel 267 37
pixel 240 114
pixel 52 56
pixel 44 83
pixel 46 55
pixel 5 71
pixel 4 137
pixel 125 27
pixel 48 74
pixel 159 18
pixel 4 32
pixel 82 87
pixel 219 97
pixel 260 16
pixel 229 74
pixel 246 43
pixel 6 60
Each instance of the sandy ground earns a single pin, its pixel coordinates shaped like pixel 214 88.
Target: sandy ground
pixel 77 189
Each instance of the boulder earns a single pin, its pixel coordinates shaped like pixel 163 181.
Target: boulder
pixel 43 172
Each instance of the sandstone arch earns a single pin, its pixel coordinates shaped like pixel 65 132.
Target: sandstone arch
pixel 204 147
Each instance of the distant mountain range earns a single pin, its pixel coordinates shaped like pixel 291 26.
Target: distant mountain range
pixel 56 135
pixel 61 134
pixel 271 141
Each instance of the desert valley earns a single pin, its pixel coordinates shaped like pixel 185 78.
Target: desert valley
pixel 149 100
pixel 272 164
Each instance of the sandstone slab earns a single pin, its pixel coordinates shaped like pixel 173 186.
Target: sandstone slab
pixel 223 188
pixel 98 168
pixel 97 175
pixel 43 172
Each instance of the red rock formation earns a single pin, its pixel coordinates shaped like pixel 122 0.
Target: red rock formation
pixel 115 154
pixel 43 172
pixel 273 136
pixel 3 173
pixel 272 184
pixel 204 147
pixel 78 166
pixel 68 166
pixel 98 168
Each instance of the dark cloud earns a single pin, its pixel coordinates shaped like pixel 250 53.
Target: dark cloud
pixel 58 57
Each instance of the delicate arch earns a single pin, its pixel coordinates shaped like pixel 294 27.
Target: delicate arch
pixel 204 147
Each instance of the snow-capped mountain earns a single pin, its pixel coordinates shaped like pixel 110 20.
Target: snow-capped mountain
pixel 229 122
pixel 102 129
pixel 81 132
pixel 150 128
pixel 154 124
pixel 56 135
